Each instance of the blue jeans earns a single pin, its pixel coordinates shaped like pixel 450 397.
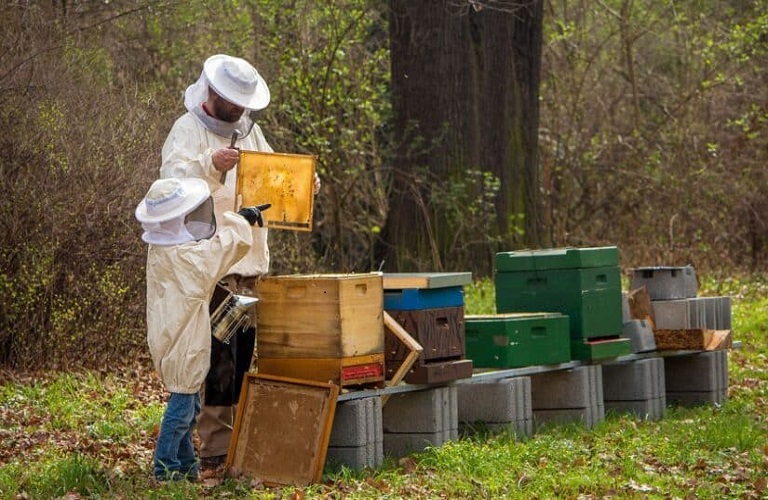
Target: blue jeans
pixel 175 452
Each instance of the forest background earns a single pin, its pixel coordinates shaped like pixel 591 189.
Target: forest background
pixel 651 137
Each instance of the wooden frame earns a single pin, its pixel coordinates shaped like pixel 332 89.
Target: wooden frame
pixel 287 181
pixel 282 429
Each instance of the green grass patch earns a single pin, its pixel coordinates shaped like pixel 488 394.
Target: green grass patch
pixel 89 435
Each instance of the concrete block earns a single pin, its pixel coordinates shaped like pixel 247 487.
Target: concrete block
pixel 413 421
pixel 502 401
pixel 357 439
pixel 574 395
pixel 724 313
pixel 673 314
pixel 705 371
pixel 713 313
pixel 357 422
pixel 499 405
pixel 666 283
pixel 427 411
pixel 637 380
pixel 636 387
pixel 579 387
pixel 694 379
pixel 640 335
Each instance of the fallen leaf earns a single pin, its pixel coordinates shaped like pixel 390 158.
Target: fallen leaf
pixel 408 464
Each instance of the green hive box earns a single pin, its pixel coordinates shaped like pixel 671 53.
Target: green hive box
pixel 582 283
pixel 517 340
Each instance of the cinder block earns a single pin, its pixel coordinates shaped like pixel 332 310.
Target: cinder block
pixel 357 439
pixel 637 380
pixel 700 378
pixel 357 422
pixel 415 420
pixel 710 312
pixel 578 387
pixel 505 400
pixel 724 312
pixel 427 411
pixel 640 335
pixel 705 371
pixel 574 395
pixel 503 404
pixel 636 387
pixel 672 314
pixel 666 283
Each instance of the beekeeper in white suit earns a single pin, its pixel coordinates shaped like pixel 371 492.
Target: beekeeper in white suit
pixel 199 145
pixel 188 254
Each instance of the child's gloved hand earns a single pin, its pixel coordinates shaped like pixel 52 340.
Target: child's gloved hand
pixel 253 214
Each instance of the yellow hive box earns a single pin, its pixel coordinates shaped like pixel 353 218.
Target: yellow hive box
pixel 320 316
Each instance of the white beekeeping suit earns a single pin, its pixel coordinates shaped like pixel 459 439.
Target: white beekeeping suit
pixel 195 136
pixel 183 268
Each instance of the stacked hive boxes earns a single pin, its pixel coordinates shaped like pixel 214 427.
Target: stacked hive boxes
pixel 430 307
pixel 326 327
pixel 582 283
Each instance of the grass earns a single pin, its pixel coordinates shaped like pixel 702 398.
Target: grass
pixel 90 435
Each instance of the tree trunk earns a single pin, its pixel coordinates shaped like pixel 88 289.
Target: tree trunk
pixel 465 97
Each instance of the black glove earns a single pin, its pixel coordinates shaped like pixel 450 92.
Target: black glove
pixel 253 214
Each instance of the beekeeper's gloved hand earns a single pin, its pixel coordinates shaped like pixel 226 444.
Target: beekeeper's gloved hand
pixel 253 214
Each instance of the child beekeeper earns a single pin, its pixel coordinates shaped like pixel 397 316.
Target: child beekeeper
pixel 187 256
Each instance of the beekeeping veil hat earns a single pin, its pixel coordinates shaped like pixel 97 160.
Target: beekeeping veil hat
pixel 175 211
pixel 235 80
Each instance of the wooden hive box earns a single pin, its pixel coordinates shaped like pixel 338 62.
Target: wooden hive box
pixel 430 308
pixel 324 327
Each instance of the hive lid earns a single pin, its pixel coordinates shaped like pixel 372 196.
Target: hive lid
pixel 400 281
pixel 556 258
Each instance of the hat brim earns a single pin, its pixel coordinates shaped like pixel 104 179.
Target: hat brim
pixel 256 101
pixel 197 192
